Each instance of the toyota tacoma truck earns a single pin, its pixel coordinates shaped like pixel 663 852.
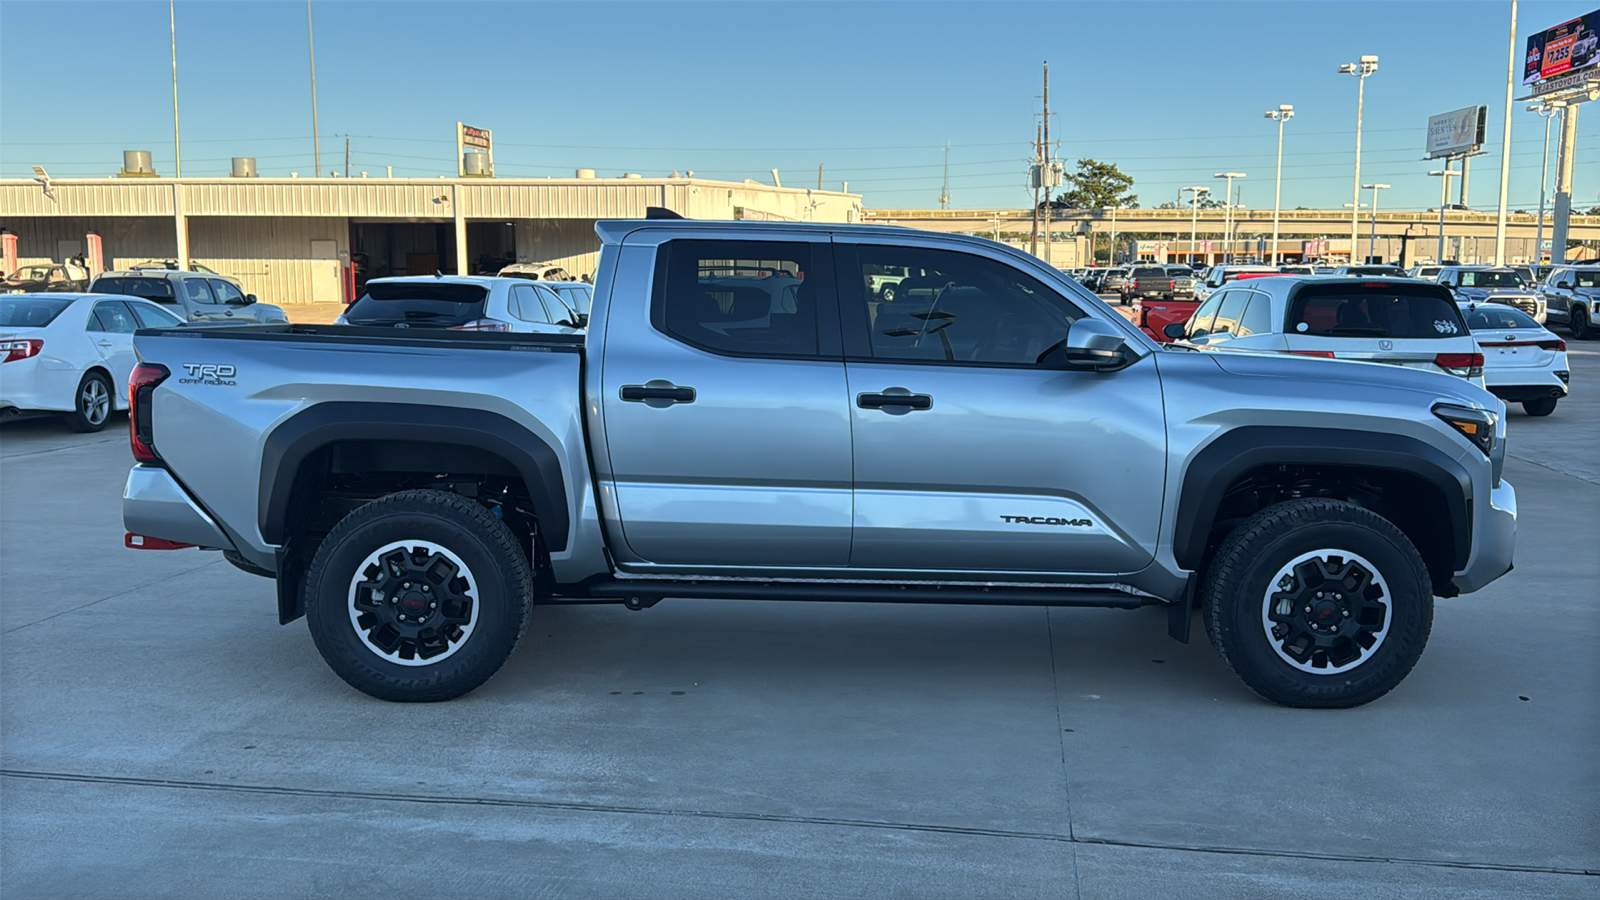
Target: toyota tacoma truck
pixel 996 435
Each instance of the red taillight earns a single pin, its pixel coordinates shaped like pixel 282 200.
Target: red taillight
pixel 482 325
pixel 21 348
pixel 1557 346
pixel 141 384
pixel 1467 365
pixel 1320 354
pixel 143 542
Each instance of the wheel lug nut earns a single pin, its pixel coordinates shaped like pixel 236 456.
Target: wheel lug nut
pixel 407 586
pixel 436 606
pixel 425 589
pixel 402 617
pixel 1308 609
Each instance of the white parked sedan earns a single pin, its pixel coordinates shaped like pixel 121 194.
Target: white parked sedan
pixel 1523 362
pixel 465 303
pixel 71 353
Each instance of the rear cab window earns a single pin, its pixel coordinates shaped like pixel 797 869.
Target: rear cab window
pixel 740 298
pixel 1375 310
pixel 423 304
pixel 158 289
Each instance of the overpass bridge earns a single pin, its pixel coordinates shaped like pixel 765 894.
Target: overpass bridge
pixel 1400 234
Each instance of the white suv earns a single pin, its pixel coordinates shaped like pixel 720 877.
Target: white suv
pixel 464 303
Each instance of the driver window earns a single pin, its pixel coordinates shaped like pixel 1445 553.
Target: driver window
pixel 954 307
pixel 226 292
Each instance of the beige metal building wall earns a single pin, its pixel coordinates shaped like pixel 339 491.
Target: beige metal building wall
pixel 280 260
pixel 126 239
pixel 569 243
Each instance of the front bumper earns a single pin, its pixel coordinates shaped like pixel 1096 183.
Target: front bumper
pixel 155 505
pixel 1494 540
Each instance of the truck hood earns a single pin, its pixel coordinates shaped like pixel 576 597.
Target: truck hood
pixel 1498 293
pixel 1381 379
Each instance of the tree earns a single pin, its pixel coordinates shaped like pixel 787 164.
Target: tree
pixel 1097 185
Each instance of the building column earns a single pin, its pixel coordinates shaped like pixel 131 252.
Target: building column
pixel 180 225
pixel 462 267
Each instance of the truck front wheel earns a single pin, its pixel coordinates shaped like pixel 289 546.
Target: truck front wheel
pixel 418 596
pixel 1318 603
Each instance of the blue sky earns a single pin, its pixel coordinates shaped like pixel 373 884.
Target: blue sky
pixel 1171 92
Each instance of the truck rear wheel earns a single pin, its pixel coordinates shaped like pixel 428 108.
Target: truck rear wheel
pixel 1318 603
pixel 418 596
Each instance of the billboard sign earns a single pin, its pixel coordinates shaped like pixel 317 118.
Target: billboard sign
pixel 1569 47
pixel 1456 132
pixel 473 140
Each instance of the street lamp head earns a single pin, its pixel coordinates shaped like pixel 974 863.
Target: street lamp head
pixel 1374 187
pixel 1286 108
pixel 1347 69
pixel 1228 175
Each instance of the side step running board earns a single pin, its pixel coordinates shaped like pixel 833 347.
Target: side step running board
pixel 642 595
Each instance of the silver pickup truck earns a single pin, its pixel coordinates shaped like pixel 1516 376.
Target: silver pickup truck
pixel 745 418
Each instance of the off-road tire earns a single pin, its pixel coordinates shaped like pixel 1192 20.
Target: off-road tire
pixel 81 419
pixel 1237 589
pixel 490 552
pixel 1578 322
pixel 1543 406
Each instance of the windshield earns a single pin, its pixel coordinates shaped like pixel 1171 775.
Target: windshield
pixel 1375 309
pixel 1470 278
pixel 30 312
pixel 157 289
pixel 1494 316
pixel 423 304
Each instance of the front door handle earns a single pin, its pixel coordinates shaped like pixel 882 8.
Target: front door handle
pixel 896 401
pixel 657 393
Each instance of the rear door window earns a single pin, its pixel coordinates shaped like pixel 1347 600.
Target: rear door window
pixel 418 304
pixel 527 306
pixel 741 298
pixel 1230 312
pixel 1377 309
pixel 157 289
pixel 196 291
pixel 112 316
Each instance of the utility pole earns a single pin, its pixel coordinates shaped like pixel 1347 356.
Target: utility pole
pixel 316 142
pixel 1033 242
pixel 1048 175
pixel 1505 145
pixel 1444 176
pixel 1194 216
pixel 177 145
pixel 1361 69
pixel 1545 111
pixel 1563 206
pixel 347 156
pixel 1372 242
pixel 819 176
pixel 944 192
pixel 1282 114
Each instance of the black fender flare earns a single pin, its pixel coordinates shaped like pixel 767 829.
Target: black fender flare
pixel 293 440
pixel 1235 452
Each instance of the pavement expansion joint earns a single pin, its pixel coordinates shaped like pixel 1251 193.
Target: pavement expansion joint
pixel 574 806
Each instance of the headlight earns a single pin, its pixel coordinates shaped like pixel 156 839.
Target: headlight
pixel 1476 425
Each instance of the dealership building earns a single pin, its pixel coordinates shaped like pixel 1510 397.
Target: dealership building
pixel 298 240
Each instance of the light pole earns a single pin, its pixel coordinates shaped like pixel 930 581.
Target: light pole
pixel 1444 200
pixel 1505 141
pixel 1227 215
pixel 1548 110
pixel 1372 243
pixel 1114 208
pixel 1366 66
pixel 1282 114
pixel 1194 215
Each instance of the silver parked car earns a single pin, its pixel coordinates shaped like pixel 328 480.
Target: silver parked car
pixel 464 303
pixel 1399 321
pixel 1572 298
pixel 1491 284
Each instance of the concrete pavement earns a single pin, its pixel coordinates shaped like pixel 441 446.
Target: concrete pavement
pixel 162 736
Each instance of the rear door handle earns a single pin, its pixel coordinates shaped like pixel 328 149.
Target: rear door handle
pixel 896 401
pixel 657 393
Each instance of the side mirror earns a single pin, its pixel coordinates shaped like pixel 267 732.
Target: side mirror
pixel 1090 344
pixel 1174 330
pixel 249 299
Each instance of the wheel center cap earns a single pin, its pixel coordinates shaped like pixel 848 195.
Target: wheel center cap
pixel 413 605
pixel 1326 613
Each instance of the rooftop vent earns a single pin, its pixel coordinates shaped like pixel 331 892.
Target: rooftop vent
pixel 137 164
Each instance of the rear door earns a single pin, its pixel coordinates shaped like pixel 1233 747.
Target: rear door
pixel 972 457
pixel 726 443
pixel 111 326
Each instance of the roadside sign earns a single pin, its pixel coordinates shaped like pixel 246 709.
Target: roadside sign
pixel 1572 46
pixel 1456 132
pixel 475 140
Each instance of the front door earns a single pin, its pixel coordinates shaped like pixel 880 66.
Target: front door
pixel 727 440
pixel 970 455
